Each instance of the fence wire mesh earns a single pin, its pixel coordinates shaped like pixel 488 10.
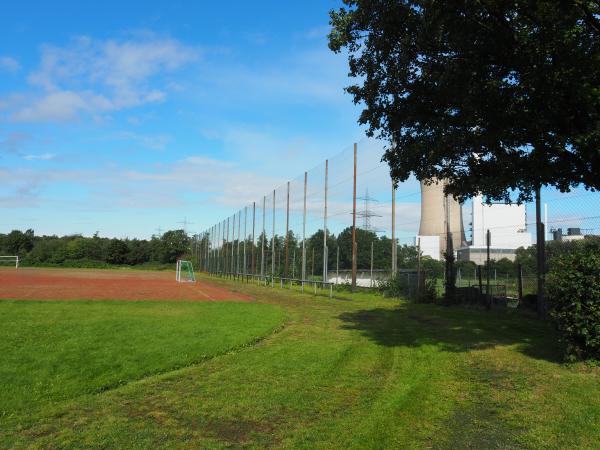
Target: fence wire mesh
pixel 301 231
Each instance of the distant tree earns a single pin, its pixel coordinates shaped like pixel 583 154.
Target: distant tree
pixel 138 251
pixel 407 256
pixel 292 243
pixel 77 248
pixel 173 244
pixel 382 253
pixel 467 268
pixel 504 266
pixel 19 243
pixel 116 252
pixel 432 267
pixel 527 258
pixel 490 95
pixel 48 249
pixel 363 247
pixel 315 243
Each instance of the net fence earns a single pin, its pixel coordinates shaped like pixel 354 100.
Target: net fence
pixel 302 230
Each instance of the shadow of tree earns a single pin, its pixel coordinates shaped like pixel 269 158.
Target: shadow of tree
pixel 456 329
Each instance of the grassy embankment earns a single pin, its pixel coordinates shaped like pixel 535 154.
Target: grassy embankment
pixel 361 373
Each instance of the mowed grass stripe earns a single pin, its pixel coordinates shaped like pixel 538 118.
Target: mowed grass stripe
pixel 366 373
pixel 56 351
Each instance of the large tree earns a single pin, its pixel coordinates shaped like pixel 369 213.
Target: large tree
pixel 492 95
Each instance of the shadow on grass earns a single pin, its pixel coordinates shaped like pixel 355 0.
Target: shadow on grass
pixel 454 329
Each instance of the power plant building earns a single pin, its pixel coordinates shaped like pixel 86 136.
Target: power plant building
pixel 508 231
pixel 441 214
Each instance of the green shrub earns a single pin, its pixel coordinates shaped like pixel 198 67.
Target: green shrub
pixel 405 284
pixel 574 293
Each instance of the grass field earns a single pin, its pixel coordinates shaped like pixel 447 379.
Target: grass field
pixel 362 373
pixel 54 352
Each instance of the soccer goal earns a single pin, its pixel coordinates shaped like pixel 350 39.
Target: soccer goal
pixel 185 271
pixel 9 260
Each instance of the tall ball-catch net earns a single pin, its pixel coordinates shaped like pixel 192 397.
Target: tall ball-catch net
pixel 185 272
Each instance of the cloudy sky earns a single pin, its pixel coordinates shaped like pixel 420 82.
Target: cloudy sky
pixel 122 117
pixel 126 117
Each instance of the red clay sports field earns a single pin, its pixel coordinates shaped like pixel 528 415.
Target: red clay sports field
pixel 100 284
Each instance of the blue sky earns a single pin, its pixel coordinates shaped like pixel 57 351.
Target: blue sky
pixel 121 117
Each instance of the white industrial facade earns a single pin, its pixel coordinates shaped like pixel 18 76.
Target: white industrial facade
pixel 508 231
pixel 507 225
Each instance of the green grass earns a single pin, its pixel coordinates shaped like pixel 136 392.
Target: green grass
pixel 53 352
pixel 364 372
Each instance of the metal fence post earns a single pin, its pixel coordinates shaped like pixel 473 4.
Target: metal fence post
pixel 226 262
pixel 488 243
pixel 237 266
pixel 418 290
pixel 520 281
pixel 208 250
pixel 216 249
pixel 218 242
pixel 253 256
pixel 263 236
pixel 354 248
pixel 325 252
pixel 214 246
pixel 371 264
pixel 273 245
pixel 245 238
pixel 304 234
pixel 287 228
pixel 337 265
pixel 541 255
pixel 394 245
pixel 232 266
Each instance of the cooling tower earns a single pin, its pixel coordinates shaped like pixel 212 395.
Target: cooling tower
pixel 438 213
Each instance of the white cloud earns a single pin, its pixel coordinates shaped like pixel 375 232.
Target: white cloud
pixel 95 77
pixel 216 182
pixel 58 106
pixel 153 142
pixel 269 150
pixel 315 76
pixel 225 183
pixel 9 64
pixel 40 157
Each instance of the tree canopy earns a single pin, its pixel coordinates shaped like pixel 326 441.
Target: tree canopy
pixel 492 95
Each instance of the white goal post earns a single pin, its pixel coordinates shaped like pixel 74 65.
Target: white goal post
pixel 10 260
pixel 185 271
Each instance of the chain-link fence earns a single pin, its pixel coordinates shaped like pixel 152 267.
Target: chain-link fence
pixel 279 239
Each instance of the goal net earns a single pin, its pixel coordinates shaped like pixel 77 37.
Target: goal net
pixel 185 271
pixel 9 261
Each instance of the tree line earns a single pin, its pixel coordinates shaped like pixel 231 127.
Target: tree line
pixel 80 251
pixel 95 251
